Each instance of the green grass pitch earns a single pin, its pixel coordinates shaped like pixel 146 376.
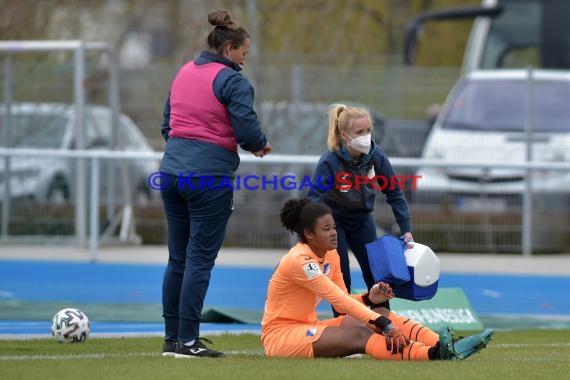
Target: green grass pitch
pixel 538 354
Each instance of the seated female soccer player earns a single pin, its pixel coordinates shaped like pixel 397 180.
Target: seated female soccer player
pixel 309 272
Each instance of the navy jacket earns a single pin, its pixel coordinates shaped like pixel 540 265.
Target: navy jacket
pixel 233 90
pixel 349 204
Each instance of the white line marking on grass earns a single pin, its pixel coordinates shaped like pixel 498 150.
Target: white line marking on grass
pixel 81 356
pixel 255 353
pixel 246 352
pixel 109 355
pixel 528 360
pixel 524 345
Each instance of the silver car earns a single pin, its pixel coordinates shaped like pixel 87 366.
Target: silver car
pixel 51 126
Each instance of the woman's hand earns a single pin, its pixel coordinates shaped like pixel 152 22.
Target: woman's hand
pixel 380 292
pixel 265 151
pixel 409 240
pixel 395 340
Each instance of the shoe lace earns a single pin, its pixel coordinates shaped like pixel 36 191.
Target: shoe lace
pixel 202 345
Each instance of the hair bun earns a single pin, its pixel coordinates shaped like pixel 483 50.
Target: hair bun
pixel 222 19
pixel 291 212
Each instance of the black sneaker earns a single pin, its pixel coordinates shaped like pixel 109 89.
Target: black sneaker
pixel 197 350
pixel 168 348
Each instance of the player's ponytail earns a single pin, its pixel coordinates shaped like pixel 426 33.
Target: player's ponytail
pixel 298 215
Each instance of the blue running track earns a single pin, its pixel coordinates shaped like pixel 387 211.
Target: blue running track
pixel 243 288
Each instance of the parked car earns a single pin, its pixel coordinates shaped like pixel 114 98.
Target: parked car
pixel 51 126
pixel 302 127
pixel 484 120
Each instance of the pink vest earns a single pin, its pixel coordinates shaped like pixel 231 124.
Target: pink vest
pixel 195 112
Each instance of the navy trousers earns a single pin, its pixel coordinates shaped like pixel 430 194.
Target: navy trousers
pixel 356 235
pixel 197 215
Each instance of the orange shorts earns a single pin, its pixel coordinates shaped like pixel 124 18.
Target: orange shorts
pixel 295 340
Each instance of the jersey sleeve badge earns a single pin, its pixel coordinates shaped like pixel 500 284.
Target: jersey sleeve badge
pixel 312 270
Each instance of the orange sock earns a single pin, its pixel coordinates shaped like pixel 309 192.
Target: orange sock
pixel 376 347
pixel 414 330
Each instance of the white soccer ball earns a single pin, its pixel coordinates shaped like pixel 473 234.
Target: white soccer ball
pixel 70 326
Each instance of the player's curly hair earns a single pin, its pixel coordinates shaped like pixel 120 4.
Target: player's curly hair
pixel 226 30
pixel 298 215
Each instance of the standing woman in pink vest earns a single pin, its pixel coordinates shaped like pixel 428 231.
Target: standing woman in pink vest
pixel 209 113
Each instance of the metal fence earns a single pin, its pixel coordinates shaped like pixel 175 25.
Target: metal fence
pixel 446 224
pixel 477 221
pixel 401 93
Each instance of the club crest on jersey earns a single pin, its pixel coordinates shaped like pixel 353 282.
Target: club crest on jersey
pixel 371 172
pixel 344 188
pixel 311 332
pixel 312 270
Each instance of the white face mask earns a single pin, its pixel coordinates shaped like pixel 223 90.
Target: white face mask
pixel 361 143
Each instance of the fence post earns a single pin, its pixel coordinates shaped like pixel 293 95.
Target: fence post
pixel 8 143
pixel 527 195
pixel 94 209
pixel 80 201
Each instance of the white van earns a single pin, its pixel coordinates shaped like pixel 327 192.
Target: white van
pixel 484 120
pixel 506 34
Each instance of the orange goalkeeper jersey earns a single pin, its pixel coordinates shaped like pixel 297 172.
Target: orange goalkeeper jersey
pixel 299 283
